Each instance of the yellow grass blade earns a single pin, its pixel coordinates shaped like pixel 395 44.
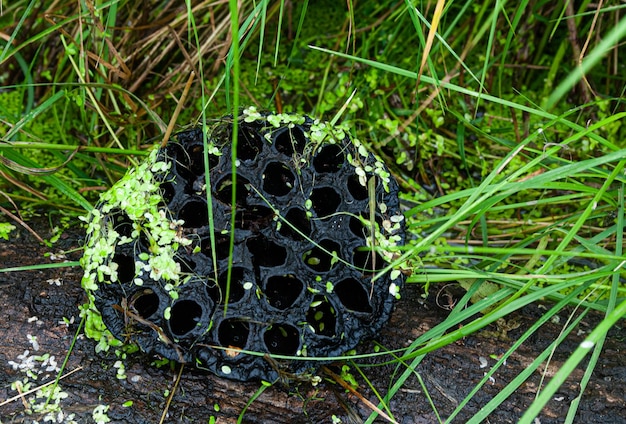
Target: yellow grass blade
pixel 431 36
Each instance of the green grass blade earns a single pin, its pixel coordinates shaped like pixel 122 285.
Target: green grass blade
pixel 572 362
pixel 69 264
pixel 263 6
pixel 281 12
pixel 608 41
pixel 510 388
pixel 593 361
pixel 15 32
pixel 235 63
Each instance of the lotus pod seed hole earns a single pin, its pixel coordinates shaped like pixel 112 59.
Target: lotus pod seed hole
pixel 329 159
pixel 222 245
pixel 265 252
pixel 194 213
pixel 125 267
pixel 145 302
pixel 185 316
pixel 353 295
pixel 362 260
pixel 122 223
pixel 321 317
pixel 176 154
pixel 249 144
pixel 318 260
pixel 298 219
pixel 194 157
pixel 167 191
pixel 282 339
pixel 254 217
pixel 278 179
pixel 237 291
pixel 325 201
pixel 233 333
pixel 289 141
pixel 359 229
pixel 358 191
pixel 224 189
pixel 282 291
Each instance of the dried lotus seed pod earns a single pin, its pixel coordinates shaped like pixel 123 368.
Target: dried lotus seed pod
pixel 300 282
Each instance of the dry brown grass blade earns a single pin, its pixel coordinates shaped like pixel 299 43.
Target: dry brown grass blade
pixel 23 186
pixel 124 309
pixel 586 45
pixel 349 388
pixel 171 396
pixel 36 171
pixel 585 89
pixel 125 72
pixel 431 37
pixel 156 48
pixel 34 389
pixel 19 220
pixel 179 106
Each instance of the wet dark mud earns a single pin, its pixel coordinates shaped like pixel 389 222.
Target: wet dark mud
pixel 35 303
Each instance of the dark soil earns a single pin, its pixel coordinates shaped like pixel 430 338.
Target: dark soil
pixel 449 374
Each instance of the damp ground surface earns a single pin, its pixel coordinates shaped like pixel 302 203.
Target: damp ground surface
pixel 35 303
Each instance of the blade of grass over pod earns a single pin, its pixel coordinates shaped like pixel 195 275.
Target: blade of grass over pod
pixel 193 30
pixel 235 69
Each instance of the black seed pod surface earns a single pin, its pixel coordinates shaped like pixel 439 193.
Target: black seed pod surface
pixel 299 281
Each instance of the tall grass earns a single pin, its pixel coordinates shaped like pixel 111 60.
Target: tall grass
pixel 507 146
